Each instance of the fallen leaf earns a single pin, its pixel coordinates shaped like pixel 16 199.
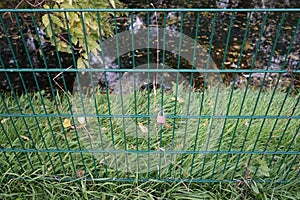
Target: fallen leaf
pixel 180 100
pixel 4 120
pixel 67 123
pixel 132 146
pixel 25 137
pixel 179 146
pixel 295 57
pixel 81 120
pixel 143 128
pixel 49 169
pixel 206 122
pixel 80 173
pixel 67 134
pixel 104 129
pixel 168 125
pixel 185 173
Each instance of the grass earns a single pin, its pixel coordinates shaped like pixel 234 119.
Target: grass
pixel 47 156
pixel 38 189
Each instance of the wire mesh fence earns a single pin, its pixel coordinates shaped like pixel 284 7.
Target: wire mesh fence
pixel 196 95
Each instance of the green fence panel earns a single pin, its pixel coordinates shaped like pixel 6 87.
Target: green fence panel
pixel 193 95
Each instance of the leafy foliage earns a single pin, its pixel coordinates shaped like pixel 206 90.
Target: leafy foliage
pixel 81 29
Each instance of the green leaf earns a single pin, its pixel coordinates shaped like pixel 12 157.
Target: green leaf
pixel 262 162
pixel 58 44
pixel 252 169
pixel 254 187
pixel 73 17
pixel 263 168
pixel 49 32
pixel 77 31
pixel 57 21
pixel 93 25
pixel 80 64
pixel 74 40
pixel 66 5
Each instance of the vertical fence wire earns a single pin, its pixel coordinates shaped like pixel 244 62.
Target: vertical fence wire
pixel 209 158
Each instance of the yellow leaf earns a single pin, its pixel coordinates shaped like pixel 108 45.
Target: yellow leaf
pixel 58 45
pixel 45 20
pixel 67 123
pixel 49 32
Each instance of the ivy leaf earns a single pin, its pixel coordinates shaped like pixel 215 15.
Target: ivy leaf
pixel 57 21
pixel 80 64
pixel 49 32
pixel 45 20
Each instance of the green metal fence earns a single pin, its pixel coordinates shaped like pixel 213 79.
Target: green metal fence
pixel 196 95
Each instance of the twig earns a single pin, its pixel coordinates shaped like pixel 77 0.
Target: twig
pixel 19 4
pixel 36 4
pixel 56 83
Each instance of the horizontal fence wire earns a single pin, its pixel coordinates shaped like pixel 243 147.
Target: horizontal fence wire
pixel 154 10
pixel 172 95
pixel 149 70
